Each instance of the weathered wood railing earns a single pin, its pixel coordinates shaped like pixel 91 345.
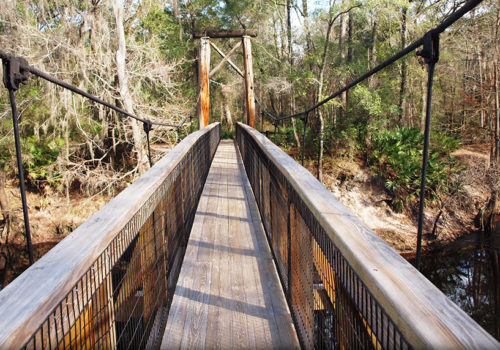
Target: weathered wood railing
pixel 110 283
pixel 345 286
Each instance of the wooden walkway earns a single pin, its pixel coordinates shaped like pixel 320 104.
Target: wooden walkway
pixel 228 294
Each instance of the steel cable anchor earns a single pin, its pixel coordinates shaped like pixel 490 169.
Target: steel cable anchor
pixel 15 71
pixel 430 49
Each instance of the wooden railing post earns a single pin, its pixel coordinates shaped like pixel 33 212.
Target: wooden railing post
pixel 203 73
pixel 249 96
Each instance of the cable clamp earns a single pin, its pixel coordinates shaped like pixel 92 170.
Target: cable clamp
pixel 15 71
pixel 430 50
pixel 148 126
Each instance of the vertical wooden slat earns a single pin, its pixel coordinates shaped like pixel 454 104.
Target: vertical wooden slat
pixel 203 72
pixel 249 96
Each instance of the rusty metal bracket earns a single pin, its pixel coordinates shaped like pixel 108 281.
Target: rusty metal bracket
pixel 430 50
pixel 15 71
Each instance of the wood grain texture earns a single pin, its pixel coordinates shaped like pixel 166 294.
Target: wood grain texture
pixel 423 314
pixel 221 63
pixel 271 296
pixel 231 63
pixel 203 72
pixel 232 297
pixel 229 33
pixel 28 300
pixel 249 91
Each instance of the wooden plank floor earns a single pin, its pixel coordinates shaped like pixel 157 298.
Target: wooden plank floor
pixel 228 294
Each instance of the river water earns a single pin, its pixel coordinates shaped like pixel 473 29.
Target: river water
pixel 468 272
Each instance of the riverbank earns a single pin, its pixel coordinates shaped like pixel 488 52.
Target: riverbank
pixel 52 218
pixel 444 223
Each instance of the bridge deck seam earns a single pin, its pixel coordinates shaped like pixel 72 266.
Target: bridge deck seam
pixel 228 294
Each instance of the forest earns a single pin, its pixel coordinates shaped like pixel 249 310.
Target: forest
pixel 141 56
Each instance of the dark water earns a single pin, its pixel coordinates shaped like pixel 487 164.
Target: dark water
pixel 468 273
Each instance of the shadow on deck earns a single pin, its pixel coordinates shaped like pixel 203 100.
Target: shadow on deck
pixel 228 294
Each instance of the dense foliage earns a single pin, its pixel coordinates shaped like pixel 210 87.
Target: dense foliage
pixel 397 156
pixel 304 51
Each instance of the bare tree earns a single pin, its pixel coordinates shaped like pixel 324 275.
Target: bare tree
pixel 142 161
pixel 330 21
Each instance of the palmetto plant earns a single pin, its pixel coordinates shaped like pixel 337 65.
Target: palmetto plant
pixel 396 155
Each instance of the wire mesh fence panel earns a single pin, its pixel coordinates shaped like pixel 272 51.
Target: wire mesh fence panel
pixel 121 301
pixel 302 296
pixel 345 287
pixel 279 229
pixel 331 306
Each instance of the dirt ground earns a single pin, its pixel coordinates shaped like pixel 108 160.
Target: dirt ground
pixel 51 217
pixel 367 198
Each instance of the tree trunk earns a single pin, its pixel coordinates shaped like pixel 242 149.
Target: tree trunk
pixel 260 109
pixel 350 33
pixel 294 124
pixel 404 70
pixel 349 38
pixel 142 160
pixel 229 119
pixel 373 51
pixel 343 55
pixel 481 96
pixel 422 110
pixel 321 144
pixel 283 39
pixel 496 155
pixel 488 221
pixel 275 37
pixel 290 60
pixel 306 26
pixel 289 31
pixel 175 7
pixel 319 97
pixel 177 12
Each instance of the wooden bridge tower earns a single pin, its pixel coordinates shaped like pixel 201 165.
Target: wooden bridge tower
pixel 204 72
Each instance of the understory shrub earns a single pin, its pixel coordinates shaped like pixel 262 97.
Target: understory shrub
pixel 396 156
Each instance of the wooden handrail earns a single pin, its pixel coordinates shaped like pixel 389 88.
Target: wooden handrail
pixel 421 312
pixel 27 301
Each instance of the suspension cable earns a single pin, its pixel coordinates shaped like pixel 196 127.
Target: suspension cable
pixel 430 53
pixel 25 67
pixel 264 112
pixel 16 71
pixel 469 5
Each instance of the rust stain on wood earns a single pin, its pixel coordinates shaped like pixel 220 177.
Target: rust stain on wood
pixel 204 68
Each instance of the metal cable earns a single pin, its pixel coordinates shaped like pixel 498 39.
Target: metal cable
pixel 436 31
pixel 425 158
pixel 20 169
pixel 48 77
pixel 16 71
pixel 264 112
